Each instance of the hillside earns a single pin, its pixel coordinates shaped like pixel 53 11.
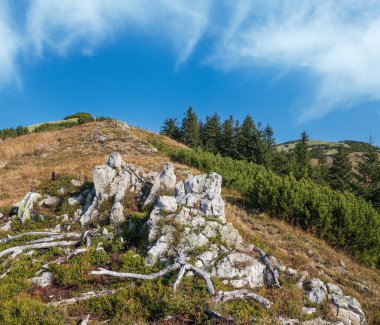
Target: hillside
pixel 45 162
pixel 328 148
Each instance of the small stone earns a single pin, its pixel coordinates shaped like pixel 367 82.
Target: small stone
pixel 62 191
pixel 292 272
pixel 50 201
pixel 105 232
pixel 308 310
pixel 57 228
pixel 43 280
pixel 76 183
pixel 1 215
pixel 65 218
pixel 334 289
pixel 310 252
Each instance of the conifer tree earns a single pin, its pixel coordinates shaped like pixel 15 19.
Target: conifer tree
pixel 368 175
pixel 341 171
pixel 302 156
pixel 211 134
pixel 170 128
pixel 190 133
pixel 246 140
pixel 227 145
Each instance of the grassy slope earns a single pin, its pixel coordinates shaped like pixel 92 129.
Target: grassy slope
pixel 29 160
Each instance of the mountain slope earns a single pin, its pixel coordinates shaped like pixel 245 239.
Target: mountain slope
pixel 27 162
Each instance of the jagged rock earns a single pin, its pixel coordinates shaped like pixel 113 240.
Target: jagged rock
pixel 240 270
pixel 166 181
pixel 230 235
pixel 26 205
pixel 43 280
pixel 167 204
pixel 347 310
pixel 114 160
pixel 50 201
pixel 333 289
pixel 316 290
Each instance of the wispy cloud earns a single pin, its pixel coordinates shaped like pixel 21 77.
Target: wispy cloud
pixel 335 43
pixel 10 46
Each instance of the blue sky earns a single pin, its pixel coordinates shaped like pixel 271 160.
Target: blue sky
pixel 298 65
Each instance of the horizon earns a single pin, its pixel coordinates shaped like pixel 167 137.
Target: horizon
pixel 123 61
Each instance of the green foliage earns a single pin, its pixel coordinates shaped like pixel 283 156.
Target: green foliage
pixel 341 171
pixel 12 133
pixel 81 117
pixel 55 126
pixel 368 177
pixel 342 219
pixel 170 129
pixel 190 132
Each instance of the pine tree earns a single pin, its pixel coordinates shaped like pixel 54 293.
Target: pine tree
pixel 368 175
pixel 170 128
pixel 302 156
pixel 211 134
pixel 341 171
pixel 190 133
pixel 227 145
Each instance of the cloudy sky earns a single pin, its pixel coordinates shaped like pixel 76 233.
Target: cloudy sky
pixel 297 64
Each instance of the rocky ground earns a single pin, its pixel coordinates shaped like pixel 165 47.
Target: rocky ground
pixel 178 222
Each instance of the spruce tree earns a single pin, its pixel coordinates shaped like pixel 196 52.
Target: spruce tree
pixel 190 133
pixel 302 157
pixel 211 134
pixel 341 171
pixel 368 175
pixel 227 145
pixel 170 128
pixel 246 140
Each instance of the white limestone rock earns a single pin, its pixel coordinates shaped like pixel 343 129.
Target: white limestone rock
pixel 167 204
pixel 43 280
pixel 347 310
pixel 25 206
pixel 316 290
pixel 50 201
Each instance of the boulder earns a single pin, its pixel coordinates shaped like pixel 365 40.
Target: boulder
pixel 347 310
pixel 26 205
pixel 114 160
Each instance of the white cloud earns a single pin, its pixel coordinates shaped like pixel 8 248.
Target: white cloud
pixel 10 46
pixel 335 43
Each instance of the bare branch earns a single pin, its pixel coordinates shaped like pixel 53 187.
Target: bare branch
pixel 224 296
pixel 181 273
pixel 12 250
pixel 84 296
pixel 205 276
pixel 152 276
pixel 40 233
